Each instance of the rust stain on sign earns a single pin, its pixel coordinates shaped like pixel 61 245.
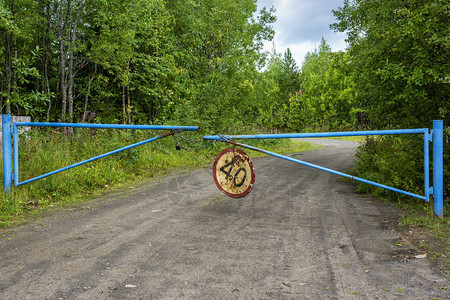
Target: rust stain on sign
pixel 234 173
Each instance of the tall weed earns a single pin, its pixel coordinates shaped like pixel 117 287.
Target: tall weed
pixel 397 161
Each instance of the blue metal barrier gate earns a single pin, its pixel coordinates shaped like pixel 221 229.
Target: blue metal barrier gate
pixel 435 135
pixel 9 129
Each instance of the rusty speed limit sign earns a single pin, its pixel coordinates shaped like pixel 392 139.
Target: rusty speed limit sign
pixel 233 172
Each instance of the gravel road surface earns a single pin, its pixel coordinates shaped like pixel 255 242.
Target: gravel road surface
pixel 299 234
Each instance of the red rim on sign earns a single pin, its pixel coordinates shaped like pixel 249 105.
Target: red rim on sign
pixel 234 173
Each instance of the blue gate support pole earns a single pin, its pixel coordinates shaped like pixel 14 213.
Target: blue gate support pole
pixel 438 167
pixel 7 152
pixel 426 164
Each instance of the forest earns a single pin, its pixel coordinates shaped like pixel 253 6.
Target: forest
pixel 191 62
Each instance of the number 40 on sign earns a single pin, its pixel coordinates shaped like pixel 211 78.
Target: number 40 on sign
pixel 234 173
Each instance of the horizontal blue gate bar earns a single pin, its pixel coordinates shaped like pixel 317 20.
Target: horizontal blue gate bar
pixel 316 134
pixel 106 126
pixel 435 135
pixel 327 170
pixel 424 131
pixel 15 176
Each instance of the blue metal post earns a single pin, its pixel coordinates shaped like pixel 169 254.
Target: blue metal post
pixel 426 164
pixel 438 167
pixel 7 152
pixel 16 153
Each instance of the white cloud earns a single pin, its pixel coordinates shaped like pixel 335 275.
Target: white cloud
pixel 301 24
pixel 300 50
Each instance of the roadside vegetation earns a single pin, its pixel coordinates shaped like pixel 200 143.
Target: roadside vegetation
pixel 201 63
pixel 399 56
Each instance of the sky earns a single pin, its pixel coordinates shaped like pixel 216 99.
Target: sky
pixel 301 24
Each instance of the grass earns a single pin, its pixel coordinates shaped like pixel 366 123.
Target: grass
pixel 417 214
pixel 426 219
pixel 429 233
pixel 47 150
pixel 398 162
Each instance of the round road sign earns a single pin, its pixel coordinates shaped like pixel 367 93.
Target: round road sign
pixel 233 172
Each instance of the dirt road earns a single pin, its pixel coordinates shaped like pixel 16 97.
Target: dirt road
pixel 300 234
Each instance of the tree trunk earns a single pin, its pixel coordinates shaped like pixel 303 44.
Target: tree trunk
pixel 13 71
pixel 62 61
pixel 11 49
pixel 129 104
pixel 87 93
pixel 128 93
pixel 45 60
pixel 8 71
pixel 124 106
pixel 70 67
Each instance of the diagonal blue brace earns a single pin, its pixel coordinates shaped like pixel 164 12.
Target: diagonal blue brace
pixel 9 129
pixel 436 136
pixel 324 169
pixel 16 159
